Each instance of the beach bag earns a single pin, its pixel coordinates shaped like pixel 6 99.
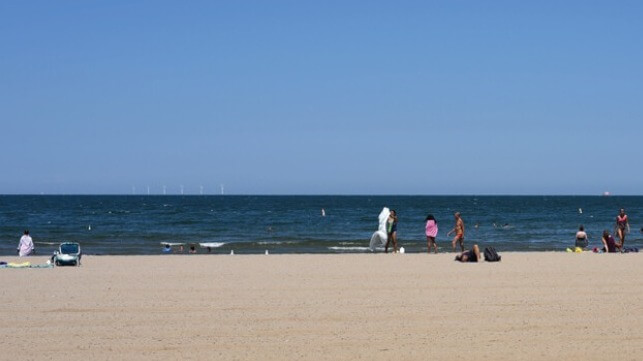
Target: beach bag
pixel 490 255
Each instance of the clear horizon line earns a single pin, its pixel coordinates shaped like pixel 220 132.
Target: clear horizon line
pixel 329 194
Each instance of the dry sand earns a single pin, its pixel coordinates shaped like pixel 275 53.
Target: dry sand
pixel 326 307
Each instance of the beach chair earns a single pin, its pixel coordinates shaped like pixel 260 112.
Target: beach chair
pixel 68 254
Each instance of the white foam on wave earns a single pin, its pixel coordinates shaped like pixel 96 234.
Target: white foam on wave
pixel 354 248
pixel 277 242
pixel 211 244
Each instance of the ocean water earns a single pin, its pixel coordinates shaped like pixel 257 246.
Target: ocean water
pixel 127 225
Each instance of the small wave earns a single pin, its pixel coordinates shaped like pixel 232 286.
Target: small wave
pixel 212 244
pixel 354 248
pixel 277 242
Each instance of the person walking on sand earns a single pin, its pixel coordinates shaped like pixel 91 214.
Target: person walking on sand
pixel 622 226
pixel 391 230
pixel 25 246
pixel 431 230
pixel 458 229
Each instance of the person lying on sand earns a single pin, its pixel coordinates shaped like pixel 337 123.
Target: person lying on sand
pixel 472 255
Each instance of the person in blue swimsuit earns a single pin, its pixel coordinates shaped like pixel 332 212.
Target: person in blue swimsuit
pixel 391 230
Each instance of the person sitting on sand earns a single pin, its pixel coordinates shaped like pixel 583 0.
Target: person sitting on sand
pixel 25 246
pixel 167 249
pixel 192 249
pixel 582 240
pixel 609 245
pixel 472 255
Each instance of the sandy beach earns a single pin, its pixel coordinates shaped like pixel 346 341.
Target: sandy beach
pixel 329 307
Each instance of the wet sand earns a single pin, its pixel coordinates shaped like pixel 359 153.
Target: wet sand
pixel 326 307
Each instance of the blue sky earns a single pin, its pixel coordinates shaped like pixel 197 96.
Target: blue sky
pixel 321 97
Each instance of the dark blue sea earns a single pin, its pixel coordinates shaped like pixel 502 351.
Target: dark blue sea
pixel 128 225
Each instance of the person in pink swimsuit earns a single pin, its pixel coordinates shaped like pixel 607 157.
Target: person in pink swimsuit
pixel 431 229
pixel 622 226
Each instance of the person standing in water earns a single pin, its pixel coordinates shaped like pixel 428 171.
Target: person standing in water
pixel 431 230
pixel 458 229
pixel 582 240
pixel 391 231
pixel 25 246
pixel 622 226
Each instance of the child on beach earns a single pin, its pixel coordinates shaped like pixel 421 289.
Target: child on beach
pixel 391 230
pixel 431 230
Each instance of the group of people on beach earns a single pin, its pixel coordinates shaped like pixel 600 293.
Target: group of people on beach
pixel 610 245
pixel 431 230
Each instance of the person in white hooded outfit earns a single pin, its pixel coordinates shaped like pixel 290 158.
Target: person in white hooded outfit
pixel 25 247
